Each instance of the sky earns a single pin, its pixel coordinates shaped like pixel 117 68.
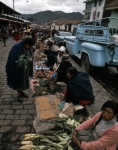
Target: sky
pixel 34 6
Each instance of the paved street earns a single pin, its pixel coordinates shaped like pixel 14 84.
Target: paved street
pixel 16 118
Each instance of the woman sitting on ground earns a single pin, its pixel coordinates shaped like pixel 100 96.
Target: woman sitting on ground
pixel 79 89
pixel 62 69
pixel 101 131
pixel 61 51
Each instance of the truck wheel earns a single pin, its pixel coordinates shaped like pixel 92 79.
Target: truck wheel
pixel 85 63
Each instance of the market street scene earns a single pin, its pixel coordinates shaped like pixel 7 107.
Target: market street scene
pixel 59 75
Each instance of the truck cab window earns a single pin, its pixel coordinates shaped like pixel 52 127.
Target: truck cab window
pixel 89 32
pixel 98 33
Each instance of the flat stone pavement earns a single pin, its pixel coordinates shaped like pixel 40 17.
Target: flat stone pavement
pixel 16 118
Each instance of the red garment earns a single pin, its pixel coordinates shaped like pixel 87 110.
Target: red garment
pixel 84 102
pixel 81 102
pixel 17 36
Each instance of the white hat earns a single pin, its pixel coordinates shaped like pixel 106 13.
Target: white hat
pixel 62 49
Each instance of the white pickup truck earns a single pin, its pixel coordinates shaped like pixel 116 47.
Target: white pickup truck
pixel 94 45
pixel 59 36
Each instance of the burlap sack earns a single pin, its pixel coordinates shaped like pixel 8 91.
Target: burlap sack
pixel 68 109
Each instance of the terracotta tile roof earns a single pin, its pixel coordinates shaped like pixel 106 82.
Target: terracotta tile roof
pixel 112 3
pixel 64 21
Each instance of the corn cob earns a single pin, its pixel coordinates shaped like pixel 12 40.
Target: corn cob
pixel 26 142
pixel 70 148
pixel 27 135
pixel 60 138
pixel 27 147
pixel 33 137
pixel 52 143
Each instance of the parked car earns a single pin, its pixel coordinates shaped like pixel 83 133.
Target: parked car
pixel 59 36
pixel 94 45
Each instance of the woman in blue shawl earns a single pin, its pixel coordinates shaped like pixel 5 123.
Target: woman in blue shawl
pixel 79 89
pixel 16 78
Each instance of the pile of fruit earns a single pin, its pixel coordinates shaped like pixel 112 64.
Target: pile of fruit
pixel 58 138
pixel 44 73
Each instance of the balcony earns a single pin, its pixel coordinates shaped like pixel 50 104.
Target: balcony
pixel 86 10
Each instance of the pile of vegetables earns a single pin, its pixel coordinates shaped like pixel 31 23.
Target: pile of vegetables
pixel 58 138
pixel 46 87
pixel 41 56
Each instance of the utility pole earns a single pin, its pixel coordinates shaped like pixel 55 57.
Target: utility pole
pixel 13 4
pixel 13 10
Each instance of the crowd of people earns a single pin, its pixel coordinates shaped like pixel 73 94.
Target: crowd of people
pixel 98 133
pixel 20 32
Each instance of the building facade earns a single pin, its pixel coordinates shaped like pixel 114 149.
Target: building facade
pixel 98 9
pixel 93 10
pixel 64 25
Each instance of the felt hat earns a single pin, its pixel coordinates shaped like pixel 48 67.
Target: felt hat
pixel 65 57
pixel 51 41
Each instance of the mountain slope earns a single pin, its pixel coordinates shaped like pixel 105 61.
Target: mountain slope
pixel 48 16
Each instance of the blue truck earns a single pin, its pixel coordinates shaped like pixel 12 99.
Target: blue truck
pixel 94 43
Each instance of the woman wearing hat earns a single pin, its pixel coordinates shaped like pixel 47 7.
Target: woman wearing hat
pixel 51 53
pixel 61 51
pixel 62 69
pixel 54 55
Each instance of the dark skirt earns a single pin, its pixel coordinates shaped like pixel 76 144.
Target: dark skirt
pixel 18 83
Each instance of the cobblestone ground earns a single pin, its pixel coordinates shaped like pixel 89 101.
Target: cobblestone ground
pixel 16 118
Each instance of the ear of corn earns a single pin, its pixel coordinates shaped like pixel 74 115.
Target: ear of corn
pixel 26 142
pixel 27 135
pixel 70 148
pixel 63 143
pixel 41 147
pixel 27 147
pixel 58 138
pixel 31 137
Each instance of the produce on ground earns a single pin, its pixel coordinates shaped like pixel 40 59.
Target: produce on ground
pixel 40 64
pixel 41 56
pixel 58 138
pixel 46 87
pixel 43 73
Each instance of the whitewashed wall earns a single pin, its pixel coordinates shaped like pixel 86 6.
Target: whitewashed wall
pixel 97 9
pixel 62 27
pixel 52 26
pixel 72 28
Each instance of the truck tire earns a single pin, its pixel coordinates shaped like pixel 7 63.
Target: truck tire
pixel 85 63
